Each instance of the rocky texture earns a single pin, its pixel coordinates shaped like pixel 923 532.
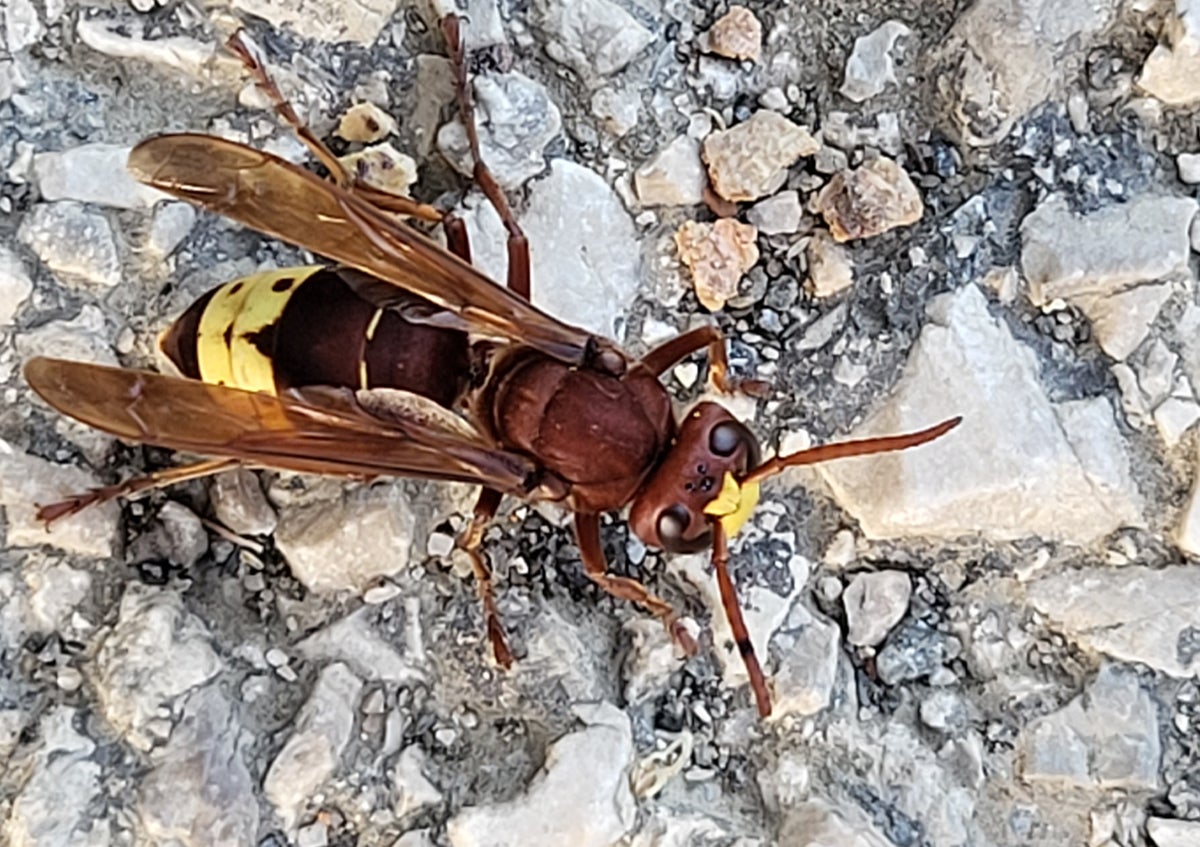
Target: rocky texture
pixel 366 123
pixel 871 68
pixel 870 200
pixel 1171 70
pixel 592 272
pixel 346 544
pixel 26 481
pixel 1003 58
pixel 717 255
pixel 875 602
pixel 593 37
pixel 776 215
pixel 1115 264
pixel 735 35
pixel 156 654
pixel 1135 614
pixel 199 791
pixel 15 285
pixel 516 120
pixel 74 243
pixel 1078 488
pixel 674 177
pixel 585 769
pixel 830 267
pixel 362 22
pixel 1107 737
pixel 750 160
pixel 314 748
pixel 52 806
pixel 1047 644
pixel 92 173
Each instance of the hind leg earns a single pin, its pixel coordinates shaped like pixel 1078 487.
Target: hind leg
pixel 518 244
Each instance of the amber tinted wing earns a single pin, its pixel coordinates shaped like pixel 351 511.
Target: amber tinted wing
pixel 286 201
pixel 322 432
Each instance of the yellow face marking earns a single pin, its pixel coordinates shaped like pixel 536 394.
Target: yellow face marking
pixel 231 322
pixel 374 324
pixel 733 504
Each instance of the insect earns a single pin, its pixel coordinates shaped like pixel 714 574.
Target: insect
pixel 403 359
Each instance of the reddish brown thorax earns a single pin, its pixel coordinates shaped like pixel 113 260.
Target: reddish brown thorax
pixel 600 433
pixel 669 510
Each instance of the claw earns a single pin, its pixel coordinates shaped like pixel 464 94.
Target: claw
pixel 73 505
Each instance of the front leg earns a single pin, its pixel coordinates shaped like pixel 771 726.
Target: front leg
pixel 673 350
pixel 587 535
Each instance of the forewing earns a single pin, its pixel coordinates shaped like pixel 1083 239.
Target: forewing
pixel 310 432
pixel 286 201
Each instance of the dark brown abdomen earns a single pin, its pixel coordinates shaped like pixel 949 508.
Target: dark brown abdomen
pixel 306 326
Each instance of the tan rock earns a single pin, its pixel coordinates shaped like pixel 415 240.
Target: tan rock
pixel 736 35
pixel 367 123
pixel 751 160
pixel 869 200
pixel 384 167
pixel 718 254
pixel 830 269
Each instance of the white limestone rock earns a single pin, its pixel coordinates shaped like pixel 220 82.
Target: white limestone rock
pixel 156 653
pixel 1062 474
pixel 516 120
pixel 360 21
pixel 313 751
pixel 346 544
pixel 590 276
pixel 875 602
pixel 1113 263
pixel 1106 737
pixel 1172 73
pixel 779 214
pixel 870 69
pixel 581 797
pixel 818 824
pixel 207 62
pixel 15 285
pixel 93 173
pixel 354 641
pixel 171 224
pixel 1133 614
pixel 1170 832
pixel 1002 58
pixel 674 177
pixel 21 25
pixel 413 790
pixel 592 37
pixel 199 791
pixel 55 591
pixel 1187 536
pixel 239 503
pixel 26 481
pixel 617 109
pixel 77 245
pixel 52 808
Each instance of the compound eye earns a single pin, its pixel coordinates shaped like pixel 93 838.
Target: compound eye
pixel 725 438
pixel 672 524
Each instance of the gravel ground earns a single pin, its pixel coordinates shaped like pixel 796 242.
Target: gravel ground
pixel 898 212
